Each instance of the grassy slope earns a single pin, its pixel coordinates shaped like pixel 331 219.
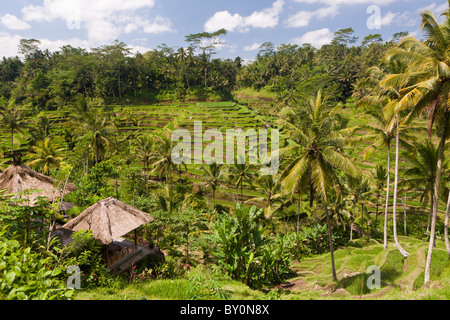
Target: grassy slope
pixel 400 278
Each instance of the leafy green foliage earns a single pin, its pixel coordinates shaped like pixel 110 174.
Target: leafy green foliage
pixel 243 250
pixel 29 275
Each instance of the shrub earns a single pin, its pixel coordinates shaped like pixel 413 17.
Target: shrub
pixel 27 275
pixel 245 253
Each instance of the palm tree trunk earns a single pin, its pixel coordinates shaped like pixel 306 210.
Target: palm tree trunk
pixel 387 193
pixel 394 206
pixel 330 236
pixel 242 192
pixel 351 225
pixel 447 212
pixel 404 215
pixel 298 210
pixel 437 186
pixel 12 142
pixel 431 210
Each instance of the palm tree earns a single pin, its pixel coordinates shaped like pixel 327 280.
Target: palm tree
pixel 13 119
pixel 425 85
pixel 447 214
pixel 323 155
pixel 288 119
pixel 144 153
pixel 271 199
pixel 394 205
pixel 379 175
pixel 382 131
pixel 212 178
pixel 422 173
pixel 44 155
pixel 162 157
pixel 99 130
pixel 241 172
pixel 41 129
pixel 169 199
pixel 358 189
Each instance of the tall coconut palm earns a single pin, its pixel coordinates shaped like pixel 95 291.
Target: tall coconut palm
pixel 144 152
pixel 394 205
pixel 425 86
pixel 447 214
pixel 241 172
pixel 212 178
pixel 422 173
pixel 381 133
pixel 162 157
pixel 289 117
pixel 379 175
pixel 45 156
pixel 99 130
pixel 323 155
pixel 358 190
pixel 12 117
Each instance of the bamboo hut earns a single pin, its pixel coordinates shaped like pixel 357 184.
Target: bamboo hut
pixel 19 178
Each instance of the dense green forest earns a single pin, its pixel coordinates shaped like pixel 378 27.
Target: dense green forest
pixel 364 171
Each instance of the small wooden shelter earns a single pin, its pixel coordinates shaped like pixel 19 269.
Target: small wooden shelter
pixel 109 219
pixel 18 178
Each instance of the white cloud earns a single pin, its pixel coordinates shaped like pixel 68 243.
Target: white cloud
pixel 104 20
pixel 436 8
pixel 303 18
pixel 158 25
pixel 316 38
pixel 266 18
pixel 10 44
pixel 252 47
pixel 300 19
pixel 401 19
pixel 12 22
pixel 224 19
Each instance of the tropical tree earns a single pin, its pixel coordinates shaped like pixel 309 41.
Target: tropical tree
pixel 358 190
pixel 144 153
pixel 99 130
pixel 382 131
pixel 241 172
pixel 424 85
pixel 45 156
pixel 161 159
pixel 214 172
pixel 12 118
pixel 379 175
pixel 422 173
pixel 323 156
pixel 272 198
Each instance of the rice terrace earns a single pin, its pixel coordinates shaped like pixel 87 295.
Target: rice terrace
pixel 305 173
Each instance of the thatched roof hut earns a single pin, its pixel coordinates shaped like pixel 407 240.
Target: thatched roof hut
pixel 18 178
pixel 109 219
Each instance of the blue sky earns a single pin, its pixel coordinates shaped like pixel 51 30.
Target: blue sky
pixel 145 24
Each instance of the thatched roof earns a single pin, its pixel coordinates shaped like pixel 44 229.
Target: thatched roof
pixel 18 178
pixel 109 220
